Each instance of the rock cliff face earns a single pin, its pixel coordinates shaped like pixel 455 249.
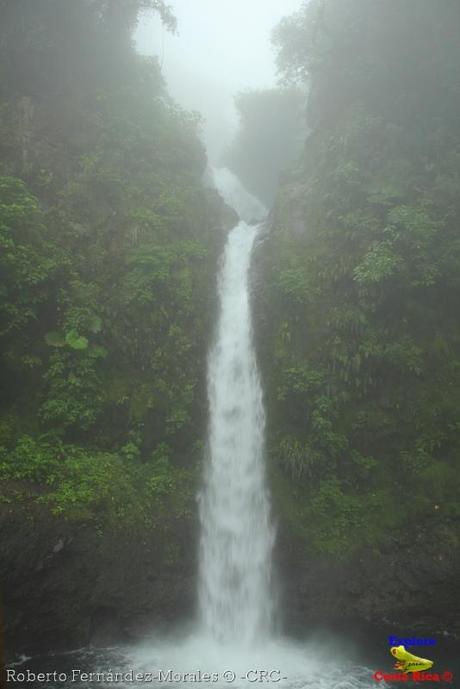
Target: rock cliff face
pixel 411 585
pixel 66 586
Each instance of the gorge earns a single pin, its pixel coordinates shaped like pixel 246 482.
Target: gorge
pixel 229 428
pixel 236 637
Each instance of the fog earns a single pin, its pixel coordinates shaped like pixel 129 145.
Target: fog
pixel 221 47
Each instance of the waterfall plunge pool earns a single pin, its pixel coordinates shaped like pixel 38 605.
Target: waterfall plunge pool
pixel 198 660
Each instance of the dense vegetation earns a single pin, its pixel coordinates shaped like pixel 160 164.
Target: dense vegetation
pixel 361 338
pixel 108 259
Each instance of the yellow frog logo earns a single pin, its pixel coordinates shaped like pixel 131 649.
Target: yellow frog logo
pixel 407 662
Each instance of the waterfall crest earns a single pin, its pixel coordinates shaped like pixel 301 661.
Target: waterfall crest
pixel 236 533
pixel 248 207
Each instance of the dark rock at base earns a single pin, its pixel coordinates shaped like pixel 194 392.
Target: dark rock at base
pixel 66 586
pixel 94 588
pixel 404 585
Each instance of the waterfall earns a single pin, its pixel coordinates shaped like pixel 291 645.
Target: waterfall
pixel 234 644
pixel 236 534
pixel 235 195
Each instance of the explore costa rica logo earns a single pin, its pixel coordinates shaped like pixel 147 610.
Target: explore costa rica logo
pixel 411 667
pixel 407 662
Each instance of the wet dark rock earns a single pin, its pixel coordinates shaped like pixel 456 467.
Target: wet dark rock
pixel 67 585
pixel 226 216
pixel 109 588
pixel 59 546
pixel 405 587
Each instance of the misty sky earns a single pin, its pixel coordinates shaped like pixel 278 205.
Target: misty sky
pixel 222 47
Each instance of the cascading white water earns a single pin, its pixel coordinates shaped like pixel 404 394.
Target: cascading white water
pixel 236 533
pixel 237 537
pixel 248 207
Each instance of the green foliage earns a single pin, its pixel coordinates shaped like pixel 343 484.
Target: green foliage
pixel 28 260
pixel 380 263
pixel 31 458
pixel 76 341
pixel 363 373
pixel 99 487
pixel 108 255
